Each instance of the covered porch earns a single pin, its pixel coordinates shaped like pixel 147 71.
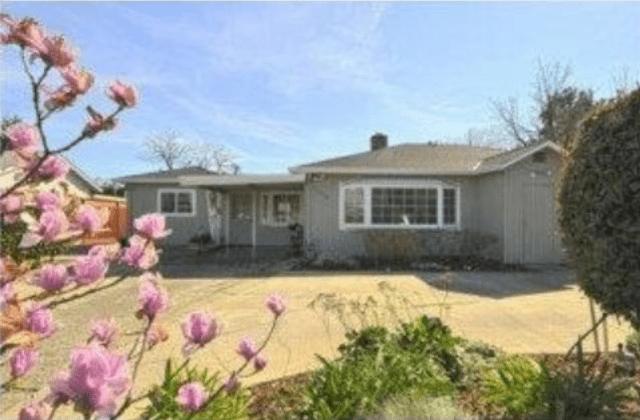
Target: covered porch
pixel 251 211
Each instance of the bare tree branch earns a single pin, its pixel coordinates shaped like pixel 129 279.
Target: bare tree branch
pixel 211 156
pixel 164 147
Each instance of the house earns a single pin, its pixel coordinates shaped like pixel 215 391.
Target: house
pixel 79 184
pixel 453 199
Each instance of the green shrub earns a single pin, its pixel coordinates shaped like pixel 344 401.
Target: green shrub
pixel 595 393
pixel 418 406
pixel 599 198
pixel 517 385
pixel 165 407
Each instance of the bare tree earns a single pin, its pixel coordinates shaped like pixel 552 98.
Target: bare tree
pixel 211 156
pixel 624 82
pixel 550 81
pixel 166 147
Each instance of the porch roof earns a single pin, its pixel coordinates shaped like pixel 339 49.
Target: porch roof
pixel 241 180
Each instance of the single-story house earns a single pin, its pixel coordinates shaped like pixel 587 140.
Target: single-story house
pixel 450 198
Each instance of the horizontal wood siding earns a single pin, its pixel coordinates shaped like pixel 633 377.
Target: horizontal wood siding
pixel 488 211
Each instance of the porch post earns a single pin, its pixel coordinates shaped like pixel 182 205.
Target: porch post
pixel 254 230
pixel 227 218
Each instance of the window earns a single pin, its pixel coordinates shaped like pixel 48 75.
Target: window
pixel 280 208
pixel 177 202
pixel 241 207
pixel 399 204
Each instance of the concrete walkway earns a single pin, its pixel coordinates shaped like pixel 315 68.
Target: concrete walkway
pixel 530 312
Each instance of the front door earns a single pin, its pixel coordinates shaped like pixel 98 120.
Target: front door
pixel 540 242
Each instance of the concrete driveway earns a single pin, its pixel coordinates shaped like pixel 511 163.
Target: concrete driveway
pixel 532 312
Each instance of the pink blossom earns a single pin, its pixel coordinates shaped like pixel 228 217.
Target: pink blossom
pixel 79 81
pixel 259 362
pixel 247 348
pixel 276 304
pixel 24 139
pixel 157 334
pixel 88 269
pixel 11 206
pixel 96 379
pixel 52 168
pixel 152 298
pixel 151 226
pixel 199 328
pixel 106 252
pixel 232 385
pixel 97 122
pixel 88 219
pixel 52 277
pixel 51 225
pixel 39 319
pixel 26 32
pixel 105 332
pixel 139 253
pixel 35 411
pixel 22 360
pixel 47 199
pixel 7 294
pixel 122 94
pixel 191 396
pixel 57 52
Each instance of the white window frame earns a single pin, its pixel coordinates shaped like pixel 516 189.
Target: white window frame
pixel 417 184
pixel 269 220
pixel 176 191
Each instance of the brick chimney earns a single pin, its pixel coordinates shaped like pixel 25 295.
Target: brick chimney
pixel 378 141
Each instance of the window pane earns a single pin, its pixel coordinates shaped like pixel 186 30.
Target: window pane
pixel 354 205
pixel 184 203
pixel 265 208
pixel 294 213
pixel 241 207
pixel 167 202
pixel 449 206
pixel 432 206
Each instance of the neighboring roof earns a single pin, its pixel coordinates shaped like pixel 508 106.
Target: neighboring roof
pixel 7 163
pixel 424 159
pixel 163 177
pixel 237 180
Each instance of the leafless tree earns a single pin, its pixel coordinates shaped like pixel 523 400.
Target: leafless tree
pixel 624 81
pixel 166 147
pixel 550 80
pixel 211 156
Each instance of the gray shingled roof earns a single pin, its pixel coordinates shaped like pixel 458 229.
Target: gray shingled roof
pixel 166 176
pixel 423 158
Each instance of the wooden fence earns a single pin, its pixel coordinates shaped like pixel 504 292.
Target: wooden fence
pixel 116 227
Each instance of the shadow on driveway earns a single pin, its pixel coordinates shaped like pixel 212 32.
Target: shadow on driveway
pixel 500 285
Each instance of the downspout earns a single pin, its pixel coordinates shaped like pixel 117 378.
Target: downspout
pixel 504 216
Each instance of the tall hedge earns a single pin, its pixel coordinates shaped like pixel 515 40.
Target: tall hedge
pixel 599 205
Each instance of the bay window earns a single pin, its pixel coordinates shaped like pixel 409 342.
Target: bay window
pixel 410 204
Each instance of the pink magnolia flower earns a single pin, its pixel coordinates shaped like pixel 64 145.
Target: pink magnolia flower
pixel 139 253
pixel 52 168
pixel 26 32
pixel 78 81
pixel 105 332
pixel 276 304
pixel 35 411
pixel 106 252
pixel 247 348
pixel 123 94
pixel 259 362
pixel 97 122
pixel 88 219
pixel 22 361
pixel 39 319
pixel 51 225
pixel 232 385
pixel 199 328
pixel 152 298
pixel 151 226
pixel 10 207
pixel 95 381
pixel 47 199
pixel 191 396
pixel 57 52
pixel 24 139
pixel 89 269
pixel 52 277
pixel 7 294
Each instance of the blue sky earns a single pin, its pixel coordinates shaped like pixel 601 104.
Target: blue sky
pixel 289 83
